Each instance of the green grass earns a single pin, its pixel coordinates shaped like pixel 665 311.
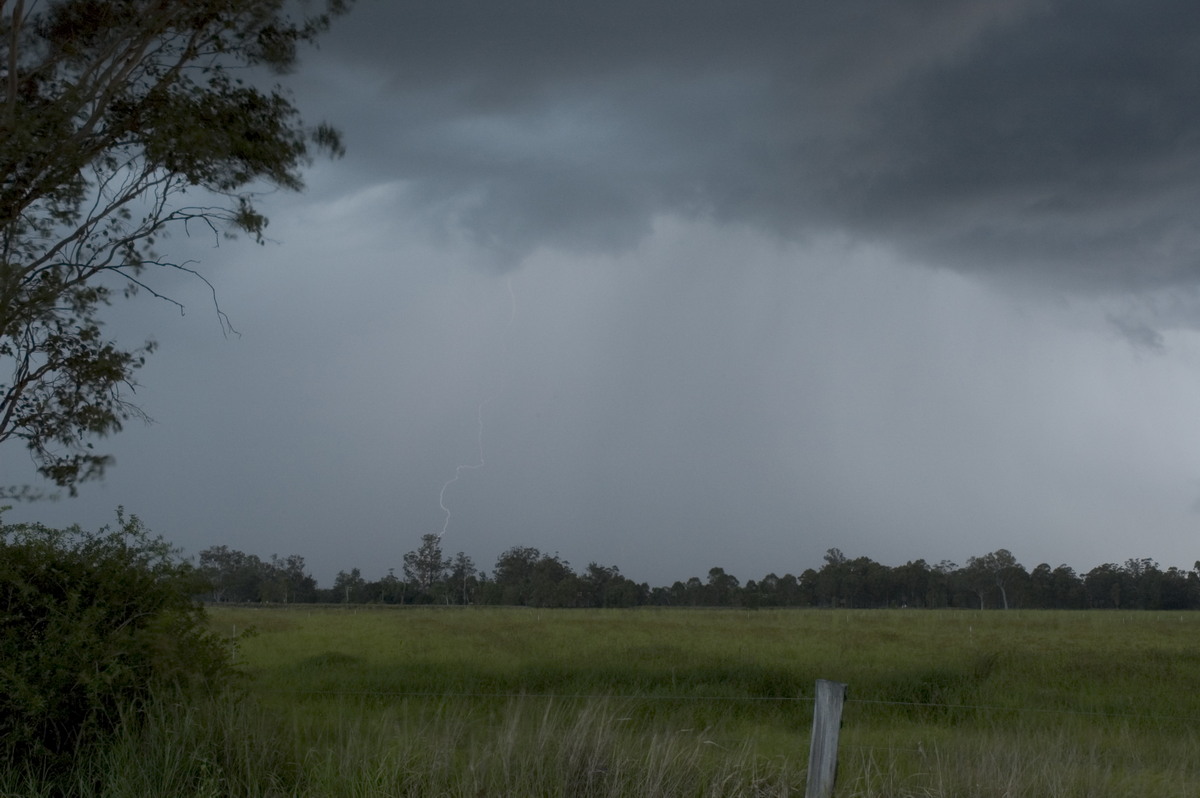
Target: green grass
pixel 443 701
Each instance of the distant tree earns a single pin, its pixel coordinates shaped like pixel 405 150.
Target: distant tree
pixel 1174 593
pixel 998 569
pixel 289 579
pixel 512 578
pixel 944 580
pixel 462 579
pixel 606 586
pixel 807 588
pixel 827 584
pixel 1193 587
pixel 790 593
pixel 861 582
pixel 554 584
pixel 767 590
pixel 638 592
pixel 658 596
pixel 978 579
pixel 233 575
pixel 673 596
pixel 349 587
pixel 525 576
pixel 389 589
pixel 1041 586
pixel 722 588
pixel 111 111
pixel 1068 589
pixel 1144 582
pixel 426 568
pixel 834 557
pixel 912 584
pixel 1105 586
pixel 599 583
pixel 872 583
pixel 751 595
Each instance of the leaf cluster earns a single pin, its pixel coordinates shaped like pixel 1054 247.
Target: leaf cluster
pixel 111 111
pixel 90 624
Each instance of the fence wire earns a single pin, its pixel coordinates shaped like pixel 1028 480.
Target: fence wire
pixel 719 698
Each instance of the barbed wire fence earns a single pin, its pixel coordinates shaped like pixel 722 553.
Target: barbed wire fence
pixel 517 694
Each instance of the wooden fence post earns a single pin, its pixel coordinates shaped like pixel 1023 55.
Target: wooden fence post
pixel 822 753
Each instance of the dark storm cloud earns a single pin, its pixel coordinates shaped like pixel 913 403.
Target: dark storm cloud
pixel 715 350
pixel 1068 143
pixel 1051 138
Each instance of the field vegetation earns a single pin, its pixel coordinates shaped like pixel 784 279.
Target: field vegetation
pixel 431 701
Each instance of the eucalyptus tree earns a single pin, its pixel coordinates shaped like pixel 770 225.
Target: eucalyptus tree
pixel 426 567
pixel 998 569
pixel 462 578
pixel 120 120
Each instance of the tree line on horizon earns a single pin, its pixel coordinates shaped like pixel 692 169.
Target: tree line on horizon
pixel 525 576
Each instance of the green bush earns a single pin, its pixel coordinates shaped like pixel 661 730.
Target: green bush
pixel 90 624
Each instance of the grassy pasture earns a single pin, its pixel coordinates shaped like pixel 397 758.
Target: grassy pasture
pixel 484 701
pixel 942 703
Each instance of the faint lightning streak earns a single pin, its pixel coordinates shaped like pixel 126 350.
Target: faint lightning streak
pixel 461 468
pixel 458 470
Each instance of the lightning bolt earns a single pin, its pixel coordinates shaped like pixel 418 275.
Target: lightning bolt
pixel 480 461
pixel 458 470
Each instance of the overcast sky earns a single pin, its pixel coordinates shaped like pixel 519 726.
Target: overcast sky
pixel 676 285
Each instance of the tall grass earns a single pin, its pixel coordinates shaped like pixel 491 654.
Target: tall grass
pixel 472 702
pixel 532 747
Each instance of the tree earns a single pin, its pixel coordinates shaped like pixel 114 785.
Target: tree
pixel 350 587
pixel 90 624
pixel 553 583
pixel 606 586
pixel 524 576
pixel 912 581
pixel 1106 586
pixel 462 577
pixel 832 579
pixel 388 590
pixel 288 581
pixel 943 578
pixel 1069 593
pixel 231 574
pixel 1173 592
pixel 722 587
pixel 999 569
pixel 234 575
pixel 426 566
pixel 789 593
pixel 512 578
pixel 110 112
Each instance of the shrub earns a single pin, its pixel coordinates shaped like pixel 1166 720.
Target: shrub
pixel 90 624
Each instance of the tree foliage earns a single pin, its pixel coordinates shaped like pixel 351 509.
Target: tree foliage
pixel 525 576
pixel 426 566
pixel 111 111
pixel 90 624
pixel 236 576
pixel 996 569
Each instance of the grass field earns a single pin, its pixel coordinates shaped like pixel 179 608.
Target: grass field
pixel 470 702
